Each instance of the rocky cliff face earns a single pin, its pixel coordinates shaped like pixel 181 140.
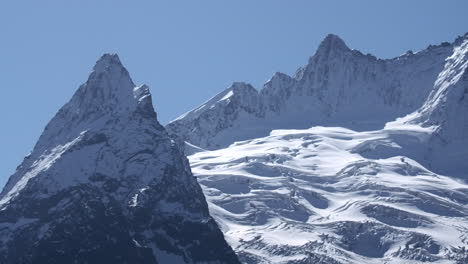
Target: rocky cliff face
pixel 338 87
pixel 106 184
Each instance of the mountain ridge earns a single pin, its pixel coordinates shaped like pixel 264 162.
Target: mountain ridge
pixel 318 92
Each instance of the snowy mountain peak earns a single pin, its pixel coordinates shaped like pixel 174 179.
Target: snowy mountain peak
pixel 275 83
pixel 107 61
pixel 279 76
pixel 109 95
pixel 104 103
pixel 332 43
pixel 109 88
pixel 105 171
pixel 242 88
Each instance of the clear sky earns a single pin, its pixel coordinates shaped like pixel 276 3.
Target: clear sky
pixel 186 51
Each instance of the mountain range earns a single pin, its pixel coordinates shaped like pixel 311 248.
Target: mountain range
pixel 354 159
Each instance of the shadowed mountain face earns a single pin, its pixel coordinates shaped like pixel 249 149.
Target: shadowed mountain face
pixel 106 184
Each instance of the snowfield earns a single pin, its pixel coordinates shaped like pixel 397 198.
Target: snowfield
pixel 333 195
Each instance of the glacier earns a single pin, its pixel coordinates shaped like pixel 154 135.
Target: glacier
pixel 312 196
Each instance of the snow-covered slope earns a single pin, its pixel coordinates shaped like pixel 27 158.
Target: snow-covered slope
pixel 106 184
pixel 446 112
pixel 202 125
pixel 319 196
pixel 338 87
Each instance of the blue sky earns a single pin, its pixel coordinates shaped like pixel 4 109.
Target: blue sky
pixel 187 51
